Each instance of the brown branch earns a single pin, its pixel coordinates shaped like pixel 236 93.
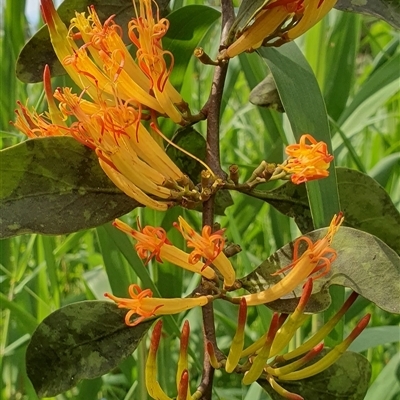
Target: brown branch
pixel 212 111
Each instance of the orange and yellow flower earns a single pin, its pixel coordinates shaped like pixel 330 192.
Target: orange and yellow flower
pixel 117 93
pixel 278 22
pixel 307 161
pixel 152 242
pixel 209 246
pixel 145 306
pixel 263 358
pixel 316 258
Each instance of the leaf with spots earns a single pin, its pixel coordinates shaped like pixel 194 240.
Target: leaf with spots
pixel 55 185
pixel 364 263
pixel 80 341
pixel 348 378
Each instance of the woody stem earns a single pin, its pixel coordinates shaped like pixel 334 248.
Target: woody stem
pixel 212 110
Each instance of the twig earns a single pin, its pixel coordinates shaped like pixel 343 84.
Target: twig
pixel 212 111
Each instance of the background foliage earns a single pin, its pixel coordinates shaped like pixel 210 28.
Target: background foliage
pixel 353 58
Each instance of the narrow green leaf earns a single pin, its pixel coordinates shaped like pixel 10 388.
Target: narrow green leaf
pixel 25 318
pixel 382 83
pixel 375 336
pixel 80 341
pixel 341 57
pixel 387 384
pixel 62 181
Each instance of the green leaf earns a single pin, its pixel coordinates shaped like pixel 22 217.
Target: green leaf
pixel 80 341
pixel 39 51
pixel 388 10
pixel 347 378
pixel 375 336
pixel 366 205
pixel 55 185
pixel 387 384
pixel 361 259
pixel 188 25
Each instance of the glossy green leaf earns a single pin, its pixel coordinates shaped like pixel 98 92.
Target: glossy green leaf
pixel 388 10
pixel 55 185
pixel 365 204
pixel 80 341
pixel 38 51
pixel 361 258
pixel 187 27
pixel 347 378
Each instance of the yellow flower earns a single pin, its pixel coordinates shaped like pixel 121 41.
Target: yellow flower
pixel 307 162
pixel 119 94
pixel 110 68
pixel 317 257
pixel 143 304
pixel 278 22
pixel 209 246
pixel 153 242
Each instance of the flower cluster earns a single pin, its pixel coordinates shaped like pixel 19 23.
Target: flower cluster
pixel 278 22
pixel 117 94
pixel 153 243
pixel 263 359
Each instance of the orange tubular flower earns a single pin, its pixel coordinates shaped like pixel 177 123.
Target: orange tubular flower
pixel 265 362
pixel 143 304
pixel 278 22
pixel 153 242
pixel 153 387
pixel 307 162
pixel 209 246
pixel 120 93
pixel 317 257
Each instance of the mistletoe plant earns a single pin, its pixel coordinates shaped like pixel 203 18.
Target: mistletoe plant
pixel 116 120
